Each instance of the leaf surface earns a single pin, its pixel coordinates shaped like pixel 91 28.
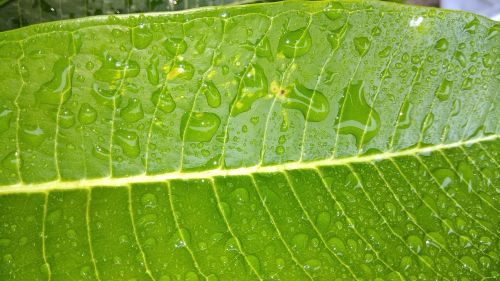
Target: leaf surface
pixel 291 141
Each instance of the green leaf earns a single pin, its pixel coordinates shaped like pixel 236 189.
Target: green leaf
pixel 291 141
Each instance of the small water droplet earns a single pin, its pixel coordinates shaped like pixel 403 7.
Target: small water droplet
pixel 312 265
pixel 149 200
pixel 336 245
pixel 415 243
pixel 253 86
pixel 100 152
pixel 312 104
pixel 338 19
pixel 133 112
pixel 472 26
pixel 201 127
pixel 211 93
pixel 33 135
pixel 129 142
pixel 181 69
pixel 295 43
pixel 152 70
pixel 66 119
pixel 87 114
pixel 444 177
pixel 280 150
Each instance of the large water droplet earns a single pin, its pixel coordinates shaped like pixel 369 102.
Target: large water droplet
pixel 60 84
pixel 129 142
pixel 201 127
pixel 295 43
pixel 87 114
pixel 212 94
pixel 253 86
pixel 444 90
pixel 175 46
pixel 133 112
pixel 264 49
pixel 163 100
pixel 361 44
pixel 141 37
pixel 405 115
pixel 356 114
pixel 415 243
pixel 472 26
pixel 5 118
pixel 444 176
pixel 313 104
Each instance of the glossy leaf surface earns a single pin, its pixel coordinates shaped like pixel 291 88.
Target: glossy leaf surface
pixel 288 141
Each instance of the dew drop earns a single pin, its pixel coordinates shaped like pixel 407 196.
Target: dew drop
pixel 295 43
pixel 149 200
pixel 11 161
pixel 163 100
pixel 264 49
pixel 336 245
pixel 312 265
pixel 253 86
pixel 467 84
pixel 280 150
pixel 338 19
pixel 129 142
pixel 59 85
pixel 444 177
pixel 356 114
pixel 201 127
pixel 152 71
pixel 405 115
pixel 141 37
pixel 191 276
pixel 312 104
pixel 211 93
pixel 100 152
pixel 87 114
pixel 113 70
pixel 472 26
pixel 361 44
pixel 415 243
pixel 133 112
pixel 469 263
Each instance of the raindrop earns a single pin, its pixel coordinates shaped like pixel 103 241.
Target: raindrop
pixel 141 37
pixel 442 45
pixel 444 90
pixel 361 44
pixel 5 118
pixel 163 100
pixel 66 119
pixel 312 104
pixel 181 69
pixel 33 135
pixel 211 93
pixel 253 86
pixel 87 114
pixel 175 46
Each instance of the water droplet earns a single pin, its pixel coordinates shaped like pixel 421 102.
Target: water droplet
pixel 129 142
pixel 201 127
pixel 385 52
pixel 152 70
pixel 212 94
pixel 240 195
pixel 312 104
pixel 87 114
pixel 5 118
pixel 100 152
pixel 472 26
pixel 427 122
pixel 149 200
pixel 338 19
pixel 133 112
pixel 469 263
pixel 312 265
pixel 405 115
pixel 356 114
pixel 181 69
pixel 113 70
pixel 467 84
pixel 254 262
pixel 60 84
pixel 336 245
pixel 175 46
pixel 466 174
pixel 165 278
pixel 141 37
pixel 444 177
pixel 295 43
pixel 264 49
pixel 361 44
pixel 280 150
pixel 444 90
pixel 10 161
pixel 253 86
pixel 415 243
pixel 323 220
pixel 191 276
pixel 163 100
pixel 33 135
pixel 66 119
pixel 442 45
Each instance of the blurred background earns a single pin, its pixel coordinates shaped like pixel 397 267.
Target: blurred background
pixel 18 13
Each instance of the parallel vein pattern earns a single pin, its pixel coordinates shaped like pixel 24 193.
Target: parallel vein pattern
pixel 286 141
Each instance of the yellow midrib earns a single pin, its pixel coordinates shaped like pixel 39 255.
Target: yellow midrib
pixel 143 178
